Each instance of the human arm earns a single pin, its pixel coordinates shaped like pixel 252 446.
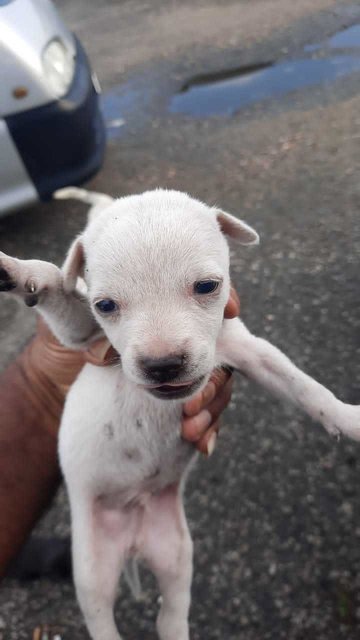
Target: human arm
pixel 32 393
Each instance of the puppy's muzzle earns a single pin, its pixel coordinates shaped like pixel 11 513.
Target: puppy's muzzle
pixel 162 370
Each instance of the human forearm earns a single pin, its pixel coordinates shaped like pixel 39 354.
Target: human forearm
pixel 29 472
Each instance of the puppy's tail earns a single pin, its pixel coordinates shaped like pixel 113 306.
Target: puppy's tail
pixel 131 575
pixel 89 197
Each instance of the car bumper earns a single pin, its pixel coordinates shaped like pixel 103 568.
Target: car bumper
pixel 62 143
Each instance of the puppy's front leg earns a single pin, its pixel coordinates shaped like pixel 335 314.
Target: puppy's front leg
pixel 40 284
pixel 167 549
pixel 267 365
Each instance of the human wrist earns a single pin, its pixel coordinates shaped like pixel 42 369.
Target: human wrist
pixel 29 471
pixel 36 388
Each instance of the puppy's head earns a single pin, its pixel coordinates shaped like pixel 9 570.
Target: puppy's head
pixel 157 271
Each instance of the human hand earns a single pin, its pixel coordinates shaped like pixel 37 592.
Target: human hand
pixel 201 414
pixel 50 368
pixel 58 364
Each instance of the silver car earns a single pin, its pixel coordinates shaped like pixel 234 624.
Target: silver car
pixel 51 129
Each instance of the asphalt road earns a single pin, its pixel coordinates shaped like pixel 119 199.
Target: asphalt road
pixel 274 514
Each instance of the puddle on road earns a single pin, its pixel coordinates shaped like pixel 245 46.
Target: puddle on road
pixel 225 93
pixel 346 39
pixel 125 104
pixel 226 97
pixel 115 105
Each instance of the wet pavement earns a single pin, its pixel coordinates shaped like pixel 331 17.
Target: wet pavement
pixel 225 93
pixel 227 97
pixel 275 513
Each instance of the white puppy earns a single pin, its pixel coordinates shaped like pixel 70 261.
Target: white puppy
pixel 156 269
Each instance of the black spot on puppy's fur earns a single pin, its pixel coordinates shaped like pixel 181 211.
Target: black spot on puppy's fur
pixel 6 283
pixel 155 474
pixel 109 430
pixel 4 275
pixel 7 286
pixel 31 300
pixel 133 454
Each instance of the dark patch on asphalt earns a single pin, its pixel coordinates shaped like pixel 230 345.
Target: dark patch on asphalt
pixel 208 78
pixel 351 461
pixel 345 605
pixel 42 557
pixel 128 101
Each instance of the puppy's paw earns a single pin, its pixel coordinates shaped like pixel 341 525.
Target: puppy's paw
pixel 30 280
pixel 345 421
pixel 350 425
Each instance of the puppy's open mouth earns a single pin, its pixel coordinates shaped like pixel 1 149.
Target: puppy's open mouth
pixel 175 390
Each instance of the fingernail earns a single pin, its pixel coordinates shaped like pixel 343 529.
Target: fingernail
pixel 211 445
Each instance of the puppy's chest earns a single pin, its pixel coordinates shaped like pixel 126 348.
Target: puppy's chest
pixel 145 436
pixel 129 441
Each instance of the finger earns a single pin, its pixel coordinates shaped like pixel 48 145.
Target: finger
pixel 221 400
pixel 232 309
pixel 193 428
pixel 218 378
pixel 201 400
pixel 97 351
pixel 206 444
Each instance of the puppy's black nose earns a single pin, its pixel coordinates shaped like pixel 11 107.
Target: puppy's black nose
pixel 163 369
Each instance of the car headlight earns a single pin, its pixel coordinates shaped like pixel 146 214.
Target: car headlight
pixel 59 64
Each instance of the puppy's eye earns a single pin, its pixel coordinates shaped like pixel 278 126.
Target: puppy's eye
pixel 106 306
pixel 202 287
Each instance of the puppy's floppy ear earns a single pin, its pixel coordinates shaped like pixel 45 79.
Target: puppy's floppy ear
pixel 73 267
pixel 235 228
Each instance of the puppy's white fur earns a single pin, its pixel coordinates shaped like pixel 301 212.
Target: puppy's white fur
pixel 121 451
